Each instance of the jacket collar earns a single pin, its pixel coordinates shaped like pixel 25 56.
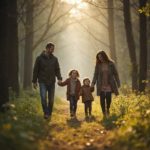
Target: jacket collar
pixel 43 54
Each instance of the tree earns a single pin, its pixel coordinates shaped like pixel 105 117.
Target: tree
pixel 131 43
pixel 12 46
pixel 109 6
pixel 9 49
pixel 111 31
pixel 143 48
pixel 43 31
pixel 28 44
pixel 3 55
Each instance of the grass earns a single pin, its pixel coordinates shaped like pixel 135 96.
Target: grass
pixel 128 126
pixel 134 124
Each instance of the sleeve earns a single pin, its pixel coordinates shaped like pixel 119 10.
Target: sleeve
pixel 116 75
pixel 79 84
pixel 57 70
pixel 80 93
pixel 64 83
pixel 95 75
pixel 35 70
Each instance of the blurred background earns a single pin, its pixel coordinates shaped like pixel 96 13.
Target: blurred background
pixel 79 29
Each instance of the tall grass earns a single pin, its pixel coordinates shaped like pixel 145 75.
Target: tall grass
pixel 22 126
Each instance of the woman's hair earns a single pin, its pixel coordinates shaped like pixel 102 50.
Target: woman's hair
pixel 105 57
pixel 70 73
pixel 85 80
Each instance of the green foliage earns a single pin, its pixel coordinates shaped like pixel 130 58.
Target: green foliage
pixel 134 122
pixel 145 10
pixel 22 125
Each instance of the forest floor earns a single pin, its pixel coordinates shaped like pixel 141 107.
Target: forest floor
pixel 76 133
pixel 22 125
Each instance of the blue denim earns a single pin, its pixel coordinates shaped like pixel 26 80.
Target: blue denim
pixel 47 105
pixel 73 105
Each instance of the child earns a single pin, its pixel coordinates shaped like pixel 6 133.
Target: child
pixel 73 89
pixel 87 97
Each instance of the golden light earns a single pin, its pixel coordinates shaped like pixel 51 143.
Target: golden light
pixel 75 12
pixel 73 1
pixel 82 5
pixel 78 5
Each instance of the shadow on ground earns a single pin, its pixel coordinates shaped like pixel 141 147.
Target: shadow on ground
pixel 109 122
pixel 74 123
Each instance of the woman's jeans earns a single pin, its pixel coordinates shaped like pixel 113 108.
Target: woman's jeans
pixel 105 101
pixel 47 105
pixel 73 105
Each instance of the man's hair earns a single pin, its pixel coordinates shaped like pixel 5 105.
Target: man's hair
pixel 49 45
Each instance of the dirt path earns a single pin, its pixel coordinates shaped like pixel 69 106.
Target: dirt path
pixel 66 133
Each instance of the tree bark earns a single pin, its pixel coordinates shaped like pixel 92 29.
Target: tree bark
pixel 143 49
pixel 13 46
pixel 8 49
pixel 4 96
pixel 131 43
pixel 111 32
pixel 148 64
pixel 28 45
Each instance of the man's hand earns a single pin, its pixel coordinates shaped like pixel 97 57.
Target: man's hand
pixel 35 85
pixel 59 82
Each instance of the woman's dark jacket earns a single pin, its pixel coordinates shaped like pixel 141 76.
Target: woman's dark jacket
pixel 113 78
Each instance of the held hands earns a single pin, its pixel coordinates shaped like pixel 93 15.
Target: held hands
pixel 92 85
pixel 59 82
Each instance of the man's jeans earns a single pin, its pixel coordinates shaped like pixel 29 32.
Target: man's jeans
pixel 47 105
pixel 105 101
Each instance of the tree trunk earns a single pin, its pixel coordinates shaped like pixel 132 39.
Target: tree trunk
pixel 4 97
pixel 130 42
pixel 13 47
pixel 148 56
pixel 8 49
pixel 28 45
pixel 143 49
pixel 111 30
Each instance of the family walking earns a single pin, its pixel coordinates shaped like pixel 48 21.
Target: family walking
pixel 106 78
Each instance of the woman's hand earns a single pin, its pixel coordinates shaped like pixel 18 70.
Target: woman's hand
pixel 92 85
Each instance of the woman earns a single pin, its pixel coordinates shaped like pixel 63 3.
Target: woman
pixel 107 80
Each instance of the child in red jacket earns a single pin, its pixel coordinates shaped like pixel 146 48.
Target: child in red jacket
pixel 73 88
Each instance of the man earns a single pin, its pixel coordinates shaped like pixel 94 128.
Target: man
pixel 46 69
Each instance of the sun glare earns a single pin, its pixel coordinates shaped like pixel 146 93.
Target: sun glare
pixel 79 5
pixel 73 1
